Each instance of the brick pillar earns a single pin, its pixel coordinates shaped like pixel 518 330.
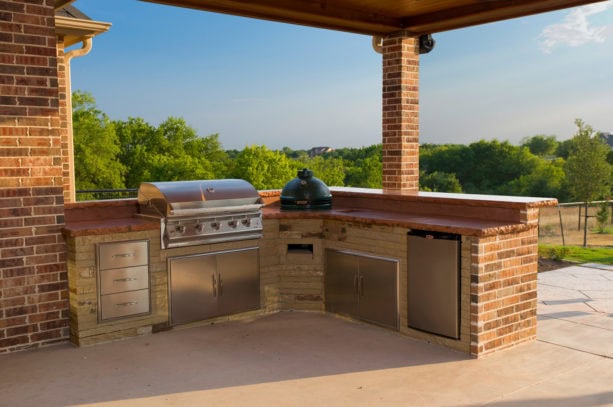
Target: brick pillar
pixel 401 113
pixel 33 277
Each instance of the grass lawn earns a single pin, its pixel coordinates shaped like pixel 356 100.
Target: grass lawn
pixel 602 255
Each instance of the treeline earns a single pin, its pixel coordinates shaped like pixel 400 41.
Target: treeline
pixel 115 154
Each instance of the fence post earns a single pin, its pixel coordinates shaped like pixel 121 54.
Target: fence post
pixel 561 225
pixel 585 226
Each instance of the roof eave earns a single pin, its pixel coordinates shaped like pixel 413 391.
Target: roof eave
pixel 314 14
pixel 77 30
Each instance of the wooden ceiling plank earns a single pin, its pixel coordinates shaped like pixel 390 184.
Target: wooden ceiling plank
pixel 481 13
pixel 383 16
pixel 310 13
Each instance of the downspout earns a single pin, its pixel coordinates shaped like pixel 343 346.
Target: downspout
pixel 86 46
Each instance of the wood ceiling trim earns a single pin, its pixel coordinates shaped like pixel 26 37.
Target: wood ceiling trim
pixel 416 17
pixel 310 13
pixel 484 12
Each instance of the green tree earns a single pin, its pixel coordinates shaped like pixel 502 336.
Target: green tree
pixel 602 216
pixel 331 171
pixel 540 145
pixel 439 182
pixel 494 165
pixel 263 168
pixel 136 138
pixel 96 146
pixel 366 172
pixel 547 180
pixel 172 151
pixel 588 173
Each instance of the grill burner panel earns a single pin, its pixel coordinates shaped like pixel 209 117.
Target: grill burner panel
pixel 199 212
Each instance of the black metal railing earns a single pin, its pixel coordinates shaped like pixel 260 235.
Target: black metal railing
pixel 101 194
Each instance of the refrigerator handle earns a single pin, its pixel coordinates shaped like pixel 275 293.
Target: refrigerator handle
pixel 214 285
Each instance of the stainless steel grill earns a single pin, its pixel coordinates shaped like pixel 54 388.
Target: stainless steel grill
pixel 199 212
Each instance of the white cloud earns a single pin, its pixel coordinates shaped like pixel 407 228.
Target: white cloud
pixel 575 29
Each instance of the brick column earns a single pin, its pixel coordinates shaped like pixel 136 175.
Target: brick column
pixel 401 113
pixel 503 292
pixel 33 277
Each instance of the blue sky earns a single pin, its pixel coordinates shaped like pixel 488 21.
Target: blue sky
pixel 259 82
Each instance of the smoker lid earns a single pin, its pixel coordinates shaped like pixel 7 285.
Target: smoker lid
pixel 306 192
pixel 167 198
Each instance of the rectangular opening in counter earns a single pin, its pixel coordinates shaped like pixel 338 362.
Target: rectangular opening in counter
pixel 300 248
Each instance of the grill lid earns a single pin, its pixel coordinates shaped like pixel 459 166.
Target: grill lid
pixel 193 197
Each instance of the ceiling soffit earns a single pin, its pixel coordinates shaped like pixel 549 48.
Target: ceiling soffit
pixel 380 17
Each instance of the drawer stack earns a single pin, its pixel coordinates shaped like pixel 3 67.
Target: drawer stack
pixel 123 279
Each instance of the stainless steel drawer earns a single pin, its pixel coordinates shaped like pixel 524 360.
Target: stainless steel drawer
pixel 124 304
pixel 124 279
pixel 123 254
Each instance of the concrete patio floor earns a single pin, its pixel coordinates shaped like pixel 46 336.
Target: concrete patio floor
pixel 300 359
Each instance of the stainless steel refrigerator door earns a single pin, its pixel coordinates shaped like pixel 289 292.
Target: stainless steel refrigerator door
pixel 193 288
pixel 433 285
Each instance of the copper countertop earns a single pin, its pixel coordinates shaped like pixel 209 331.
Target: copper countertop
pixel 440 223
pixel 104 217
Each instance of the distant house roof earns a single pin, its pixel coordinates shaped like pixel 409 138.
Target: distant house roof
pixel 608 137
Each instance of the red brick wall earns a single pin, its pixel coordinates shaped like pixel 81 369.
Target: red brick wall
pixel 33 278
pixel 401 113
pixel 503 291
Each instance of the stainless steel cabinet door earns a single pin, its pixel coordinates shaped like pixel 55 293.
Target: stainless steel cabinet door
pixel 378 291
pixel 341 283
pixel 193 288
pixel 239 281
pixel 363 287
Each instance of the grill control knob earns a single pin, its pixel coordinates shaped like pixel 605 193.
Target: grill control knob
pixel 246 222
pixel 232 223
pixel 215 225
pixel 180 229
pixel 199 227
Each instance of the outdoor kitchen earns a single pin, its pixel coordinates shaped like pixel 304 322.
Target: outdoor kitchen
pixel 218 250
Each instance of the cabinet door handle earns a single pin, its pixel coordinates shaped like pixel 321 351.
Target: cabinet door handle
pixel 356 288
pixel 124 255
pixel 220 286
pixel 214 285
pixel 124 280
pixel 126 304
pixel 361 286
